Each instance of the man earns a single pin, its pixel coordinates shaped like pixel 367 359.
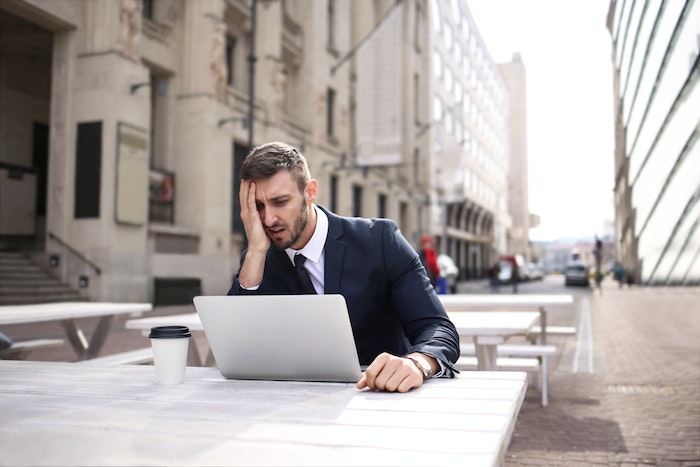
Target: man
pixel 401 329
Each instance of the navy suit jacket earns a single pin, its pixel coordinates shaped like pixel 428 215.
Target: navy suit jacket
pixel 392 306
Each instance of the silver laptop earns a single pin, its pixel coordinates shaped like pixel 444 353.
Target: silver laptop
pixel 280 337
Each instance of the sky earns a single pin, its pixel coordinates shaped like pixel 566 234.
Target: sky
pixel 566 49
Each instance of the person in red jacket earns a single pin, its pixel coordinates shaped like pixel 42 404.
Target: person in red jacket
pixel 428 256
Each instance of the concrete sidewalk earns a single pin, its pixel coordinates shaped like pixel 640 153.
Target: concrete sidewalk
pixel 637 404
pixel 640 404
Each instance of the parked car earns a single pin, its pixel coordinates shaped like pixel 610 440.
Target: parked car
pixel 576 274
pixel 448 270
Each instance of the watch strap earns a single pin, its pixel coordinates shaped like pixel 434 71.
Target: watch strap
pixel 422 365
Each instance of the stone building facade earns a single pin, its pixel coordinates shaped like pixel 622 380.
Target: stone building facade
pixel 124 124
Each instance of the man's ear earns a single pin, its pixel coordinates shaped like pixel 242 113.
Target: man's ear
pixel 312 190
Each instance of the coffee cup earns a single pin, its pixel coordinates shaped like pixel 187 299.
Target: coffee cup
pixel 170 345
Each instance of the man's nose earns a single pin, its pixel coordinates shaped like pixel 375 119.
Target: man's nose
pixel 269 217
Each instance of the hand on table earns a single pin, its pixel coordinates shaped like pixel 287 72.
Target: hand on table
pixel 391 373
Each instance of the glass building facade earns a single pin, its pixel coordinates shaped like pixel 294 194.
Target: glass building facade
pixel 657 148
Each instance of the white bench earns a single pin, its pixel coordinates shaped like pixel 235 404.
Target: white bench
pixel 551 331
pixel 515 356
pixel 19 350
pixel 132 357
pixel 503 363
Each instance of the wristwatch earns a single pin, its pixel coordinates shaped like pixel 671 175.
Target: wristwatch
pixel 423 365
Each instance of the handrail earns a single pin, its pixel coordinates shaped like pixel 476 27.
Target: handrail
pixel 76 253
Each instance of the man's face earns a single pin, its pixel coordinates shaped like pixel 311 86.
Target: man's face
pixel 284 211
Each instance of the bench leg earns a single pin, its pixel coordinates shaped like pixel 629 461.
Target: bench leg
pixel 544 377
pixel 485 354
pixel 543 326
pixel 76 338
pixel 84 349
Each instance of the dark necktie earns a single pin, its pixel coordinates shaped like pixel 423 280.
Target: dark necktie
pixel 305 284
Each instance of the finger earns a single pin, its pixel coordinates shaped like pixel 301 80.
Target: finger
pixel 243 195
pixel 410 382
pixel 401 375
pixel 251 195
pixel 375 369
pixel 394 382
pixel 362 383
pixel 391 374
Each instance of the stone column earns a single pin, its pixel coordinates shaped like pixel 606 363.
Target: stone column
pixel 202 149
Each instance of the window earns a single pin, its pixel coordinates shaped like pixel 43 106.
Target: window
pixel 381 207
pixel 417 35
pixel 161 196
pixel 334 193
pixel 161 182
pixel 357 200
pixel 437 108
pixel 331 24
pixel 437 64
pixel 459 92
pixel 403 216
pixel 147 9
pixel 435 15
pixel 416 98
pixel 448 37
pixel 88 170
pixel 416 165
pixel 239 154
pixel 456 12
pixel 330 111
pixel 458 53
pixel 230 56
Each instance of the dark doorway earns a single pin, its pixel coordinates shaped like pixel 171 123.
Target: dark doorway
pixel 40 156
pixel 26 49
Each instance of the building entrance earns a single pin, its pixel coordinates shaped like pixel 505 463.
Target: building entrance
pixel 25 87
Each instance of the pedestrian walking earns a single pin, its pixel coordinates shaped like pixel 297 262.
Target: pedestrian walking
pixel 494 279
pixel 619 273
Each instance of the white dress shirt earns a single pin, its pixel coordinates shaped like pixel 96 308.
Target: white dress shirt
pixel 314 252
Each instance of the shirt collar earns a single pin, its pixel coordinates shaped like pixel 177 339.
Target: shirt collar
pixel 313 249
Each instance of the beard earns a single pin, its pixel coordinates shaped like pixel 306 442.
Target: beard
pixel 297 229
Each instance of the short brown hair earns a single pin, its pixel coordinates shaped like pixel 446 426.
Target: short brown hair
pixel 265 161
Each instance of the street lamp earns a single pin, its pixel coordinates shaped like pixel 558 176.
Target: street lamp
pixel 251 64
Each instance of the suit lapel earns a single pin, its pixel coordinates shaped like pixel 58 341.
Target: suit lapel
pixel 334 254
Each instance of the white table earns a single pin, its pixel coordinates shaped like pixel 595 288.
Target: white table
pixel 67 313
pixel 490 328
pixel 65 414
pixel 191 320
pixel 544 303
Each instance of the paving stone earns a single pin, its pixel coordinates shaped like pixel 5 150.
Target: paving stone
pixel 641 404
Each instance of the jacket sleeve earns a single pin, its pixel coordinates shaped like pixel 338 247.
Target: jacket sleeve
pixel 414 300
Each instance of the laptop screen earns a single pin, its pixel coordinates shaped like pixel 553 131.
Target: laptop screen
pixel 280 337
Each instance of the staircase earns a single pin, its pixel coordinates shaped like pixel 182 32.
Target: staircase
pixel 24 282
